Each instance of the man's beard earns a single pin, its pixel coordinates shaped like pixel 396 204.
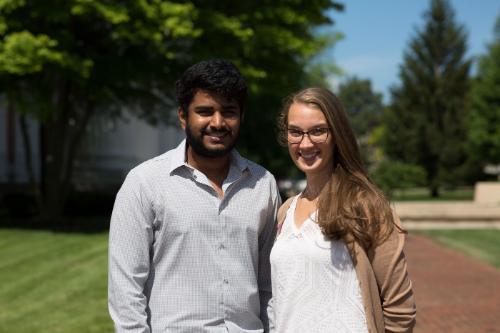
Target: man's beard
pixel 196 143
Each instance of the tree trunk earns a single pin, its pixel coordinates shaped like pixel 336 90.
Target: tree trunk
pixel 53 202
pixel 62 141
pixel 62 136
pixel 11 139
pixel 434 192
pixel 28 156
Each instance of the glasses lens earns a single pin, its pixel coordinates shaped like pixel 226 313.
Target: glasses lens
pixel 318 135
pixel 294 136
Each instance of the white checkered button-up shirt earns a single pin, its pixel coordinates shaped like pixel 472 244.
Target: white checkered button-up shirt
pixel 181 259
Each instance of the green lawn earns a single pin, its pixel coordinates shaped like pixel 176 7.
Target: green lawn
pixel 481 244
pixel 53 282
pixel 423 194
pixel 56 282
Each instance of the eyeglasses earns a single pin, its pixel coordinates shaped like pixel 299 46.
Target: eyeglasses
pixel 316 135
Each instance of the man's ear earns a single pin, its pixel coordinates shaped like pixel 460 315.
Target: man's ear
pixel 182 117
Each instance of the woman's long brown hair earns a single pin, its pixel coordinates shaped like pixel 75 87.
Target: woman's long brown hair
pixel 350 206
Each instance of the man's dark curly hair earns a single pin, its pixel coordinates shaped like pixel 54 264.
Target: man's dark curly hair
pixel 219 76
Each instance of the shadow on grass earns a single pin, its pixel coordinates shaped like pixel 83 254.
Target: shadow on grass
pixel 84 212
pixel 87 225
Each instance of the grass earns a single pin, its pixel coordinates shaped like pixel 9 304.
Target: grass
pixel 56 282
pixel 53 282
pixel 423 194
pixel 481 244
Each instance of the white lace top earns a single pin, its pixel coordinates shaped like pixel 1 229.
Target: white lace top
pixel 315 288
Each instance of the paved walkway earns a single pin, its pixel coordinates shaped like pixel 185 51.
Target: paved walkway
pixel 454 293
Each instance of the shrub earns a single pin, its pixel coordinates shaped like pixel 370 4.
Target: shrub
pixel 391 175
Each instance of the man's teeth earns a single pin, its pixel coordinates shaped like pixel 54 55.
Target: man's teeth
pixel 218 135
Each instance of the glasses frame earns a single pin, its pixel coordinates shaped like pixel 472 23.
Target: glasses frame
pixel 303 133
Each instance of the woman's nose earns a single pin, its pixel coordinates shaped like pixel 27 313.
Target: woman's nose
pixel 306 141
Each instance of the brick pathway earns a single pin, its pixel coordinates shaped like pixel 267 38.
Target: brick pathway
pixel 454 293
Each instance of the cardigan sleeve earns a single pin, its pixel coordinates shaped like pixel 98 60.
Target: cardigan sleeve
pixel 396 294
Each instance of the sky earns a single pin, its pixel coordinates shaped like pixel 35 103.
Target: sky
pixel 376 33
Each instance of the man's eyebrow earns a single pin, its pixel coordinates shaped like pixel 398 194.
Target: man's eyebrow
pixel 203 107
pixel 229 106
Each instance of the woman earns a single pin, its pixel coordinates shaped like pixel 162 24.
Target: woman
pixel 338 263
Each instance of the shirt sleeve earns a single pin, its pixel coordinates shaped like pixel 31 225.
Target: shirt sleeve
pixel 396 293
pixel 271 316
pixel 130 241
pixel 266 241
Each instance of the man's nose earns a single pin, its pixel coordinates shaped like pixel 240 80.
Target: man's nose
pixel 217 120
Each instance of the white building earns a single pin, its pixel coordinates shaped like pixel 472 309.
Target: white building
pixel 110 149
pixel 12 156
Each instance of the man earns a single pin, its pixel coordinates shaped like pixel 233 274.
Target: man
pixel 192 229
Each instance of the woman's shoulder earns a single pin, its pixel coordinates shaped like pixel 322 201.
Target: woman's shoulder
pixel 287 202
pixel 284 208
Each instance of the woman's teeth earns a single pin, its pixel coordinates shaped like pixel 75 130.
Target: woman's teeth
pixel 308 156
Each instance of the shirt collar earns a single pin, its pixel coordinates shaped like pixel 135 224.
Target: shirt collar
pixel 178 159
pixel 238 161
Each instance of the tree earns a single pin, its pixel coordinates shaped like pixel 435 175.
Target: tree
pixel 391 175
pixel 279 51
pixel 64 62
pixel 426 123
pixel 485 115
pixel 364 108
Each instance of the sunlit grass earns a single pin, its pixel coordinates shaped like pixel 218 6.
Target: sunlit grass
pixel 481 244
pixel 423 194
pixel 56 282
pixel 53 282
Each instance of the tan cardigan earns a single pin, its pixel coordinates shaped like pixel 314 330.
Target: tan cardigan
pixel 385 286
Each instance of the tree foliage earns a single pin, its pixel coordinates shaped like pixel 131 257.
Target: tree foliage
pixel 364 108
pixel 64 62
pixel 485 115
pixel 391 175
pixel 426 123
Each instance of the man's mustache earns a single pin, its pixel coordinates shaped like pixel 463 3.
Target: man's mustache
pixel 215 132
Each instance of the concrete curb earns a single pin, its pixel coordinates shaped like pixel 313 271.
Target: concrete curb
pixel 429 224
pixel 448 215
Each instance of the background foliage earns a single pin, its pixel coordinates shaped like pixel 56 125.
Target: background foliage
pixel 485 117
pixel 65 62
pixel 426 123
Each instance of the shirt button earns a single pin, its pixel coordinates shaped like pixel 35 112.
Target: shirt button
pixel 226 281
pixel 221 247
